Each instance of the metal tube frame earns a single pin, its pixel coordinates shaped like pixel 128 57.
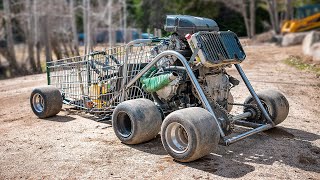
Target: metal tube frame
pixel 125 74
pixel 225 141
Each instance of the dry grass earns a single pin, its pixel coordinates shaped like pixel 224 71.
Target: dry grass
pixel 302 64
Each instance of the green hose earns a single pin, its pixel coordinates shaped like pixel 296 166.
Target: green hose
pixel 153 84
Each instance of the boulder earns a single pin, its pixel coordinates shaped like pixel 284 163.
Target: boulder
pixel 264 37
pixel 315 49
pixel 309 40
pixel 293 38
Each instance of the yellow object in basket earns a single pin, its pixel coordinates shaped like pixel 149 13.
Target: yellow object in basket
pixel 96 90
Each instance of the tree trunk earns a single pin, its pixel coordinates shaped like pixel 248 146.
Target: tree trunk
pixel 55 45
pixel 289 10
pixel 30 37
pixel 110 23
pixel 65 47
pixel 276 17
pixel 10 43
pixel 75 43
pixel 37 36
pixel 38 52
pixel 245 17
pixel 273 13
pixel 125 20
pixel 86 26
pixel 252 18
pixel 47 39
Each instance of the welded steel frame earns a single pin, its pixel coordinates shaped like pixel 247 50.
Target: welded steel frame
pixel 257 128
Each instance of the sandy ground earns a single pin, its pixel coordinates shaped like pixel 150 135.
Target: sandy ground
pixel 74 147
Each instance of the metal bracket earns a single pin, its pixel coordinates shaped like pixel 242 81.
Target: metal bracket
pixel 263 109
pixel 195 53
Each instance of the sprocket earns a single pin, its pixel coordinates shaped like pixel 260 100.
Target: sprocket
pixel 224 117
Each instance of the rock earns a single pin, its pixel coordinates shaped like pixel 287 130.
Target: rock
pixel 264 37
pixel 309 40
pixel 268 37
pixel 315 52
pixel 293 39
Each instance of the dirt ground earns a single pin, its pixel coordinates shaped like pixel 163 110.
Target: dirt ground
pixel 70 146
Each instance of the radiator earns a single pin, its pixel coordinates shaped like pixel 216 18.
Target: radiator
pixel 217 48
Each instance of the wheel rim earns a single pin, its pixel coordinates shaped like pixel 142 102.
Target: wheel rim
pixel 268 109
pixel 38 102
pixel 177 138
pixel 265 105
pixel 124 124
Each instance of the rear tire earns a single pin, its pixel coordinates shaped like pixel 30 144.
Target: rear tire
pixel 136 121
pixel 275 103
pixel 189 134
pixel 46 101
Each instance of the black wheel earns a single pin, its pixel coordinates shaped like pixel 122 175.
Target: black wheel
pixel 136 121
pixel 46 101
pixel 275 103
pixel 189 134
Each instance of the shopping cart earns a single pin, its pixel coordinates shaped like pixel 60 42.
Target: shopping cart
pixel 94 82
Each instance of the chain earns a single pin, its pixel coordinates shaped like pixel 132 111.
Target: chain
pixel 215 103
pixel 218 106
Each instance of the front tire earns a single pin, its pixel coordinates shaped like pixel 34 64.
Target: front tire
pixel 189 134
pixel 46 101
pixel 136 121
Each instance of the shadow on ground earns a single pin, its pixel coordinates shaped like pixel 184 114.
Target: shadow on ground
pixel 59 118
pixel 292 147
pixel 153 147
pixel 288 146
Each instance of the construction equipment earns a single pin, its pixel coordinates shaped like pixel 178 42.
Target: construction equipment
pixel 306 18
pixel 177 85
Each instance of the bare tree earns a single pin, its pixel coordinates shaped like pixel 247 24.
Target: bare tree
pixel 10 43
pixel 273 13
pixel 75 43
pixel 30 36
pixel 252 18
pixel 37 34
pixel 47 39
pixel 124 20
pixel 110 2
pixel 245 17
pixel 86 26
pixel 249 16
pixel 289 10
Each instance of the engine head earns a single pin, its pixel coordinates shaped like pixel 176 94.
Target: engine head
pixel 184 24
pixel 216 47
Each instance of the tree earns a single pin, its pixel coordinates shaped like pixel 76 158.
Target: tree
pixel 289 10
pixel 11 57
pixel 110 2
pixel 249 17
pixel 273 13
pixel 75 43
pixel 252 18
pixel 30 35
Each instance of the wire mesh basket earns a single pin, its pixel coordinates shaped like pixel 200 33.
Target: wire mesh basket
pixel 95 82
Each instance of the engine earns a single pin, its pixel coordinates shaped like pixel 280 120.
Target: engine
pixel 216 51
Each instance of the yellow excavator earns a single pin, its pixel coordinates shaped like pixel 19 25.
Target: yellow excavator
pixel 306 18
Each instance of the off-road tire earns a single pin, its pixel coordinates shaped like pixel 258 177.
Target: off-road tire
pixel 276 104
pixel 136 121
pixel 50 101
pixel 194 130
